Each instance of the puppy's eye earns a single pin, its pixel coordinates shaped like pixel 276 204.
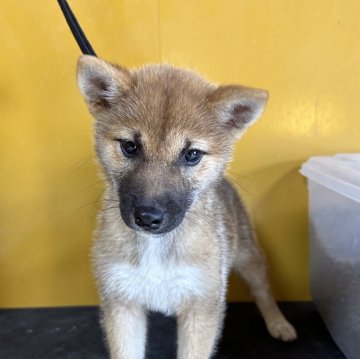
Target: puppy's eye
pixel 129 148
pixel 193 157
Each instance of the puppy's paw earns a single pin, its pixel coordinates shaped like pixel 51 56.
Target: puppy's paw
pixel 282 329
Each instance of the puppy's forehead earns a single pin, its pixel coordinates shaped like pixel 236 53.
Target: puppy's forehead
pixel 170 79
pixel 164 92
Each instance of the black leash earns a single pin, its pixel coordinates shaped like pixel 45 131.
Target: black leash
pixel 76 29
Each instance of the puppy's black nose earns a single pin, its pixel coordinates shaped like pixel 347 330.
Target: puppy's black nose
pixel 148 218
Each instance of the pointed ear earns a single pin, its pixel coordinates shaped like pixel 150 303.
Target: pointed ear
pixel 238 107
pixel 101 82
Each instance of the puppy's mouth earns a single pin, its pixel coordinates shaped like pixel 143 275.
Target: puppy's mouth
pixel 154 216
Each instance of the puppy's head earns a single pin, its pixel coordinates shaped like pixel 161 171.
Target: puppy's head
pixel 163 135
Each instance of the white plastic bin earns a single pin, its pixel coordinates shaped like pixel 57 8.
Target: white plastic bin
pixel 334 220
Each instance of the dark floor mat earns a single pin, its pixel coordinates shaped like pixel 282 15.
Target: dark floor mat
pixel 74 333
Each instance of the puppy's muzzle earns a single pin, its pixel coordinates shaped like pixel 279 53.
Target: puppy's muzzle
pixel 154 215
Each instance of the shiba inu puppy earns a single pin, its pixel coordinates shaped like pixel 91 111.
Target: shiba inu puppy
pixel 172 227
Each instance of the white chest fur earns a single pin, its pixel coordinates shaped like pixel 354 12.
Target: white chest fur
pixel 156 282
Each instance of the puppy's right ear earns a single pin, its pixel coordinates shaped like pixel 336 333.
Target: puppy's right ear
pixel 238 107
pixel 101 82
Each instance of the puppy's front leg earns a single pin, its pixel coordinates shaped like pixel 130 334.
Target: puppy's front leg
pixel 125 327
pixel 199 326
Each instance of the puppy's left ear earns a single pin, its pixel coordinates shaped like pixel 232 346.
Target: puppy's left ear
pixel 238 107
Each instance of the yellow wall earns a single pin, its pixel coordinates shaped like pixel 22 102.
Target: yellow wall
pixel 306 53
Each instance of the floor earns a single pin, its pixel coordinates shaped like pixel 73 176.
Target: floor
pixel 74 333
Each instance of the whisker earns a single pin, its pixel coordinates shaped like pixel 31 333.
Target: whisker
pixel 239 175
pixel 93 203
pixel 84 205
pixel 108 208
pixel 92 185
pixel 241 187
pixel 197 215
pixel 111 200
pixel 100 195
pixel 77 165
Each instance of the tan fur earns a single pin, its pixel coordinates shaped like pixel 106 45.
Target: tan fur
pixel 183 271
